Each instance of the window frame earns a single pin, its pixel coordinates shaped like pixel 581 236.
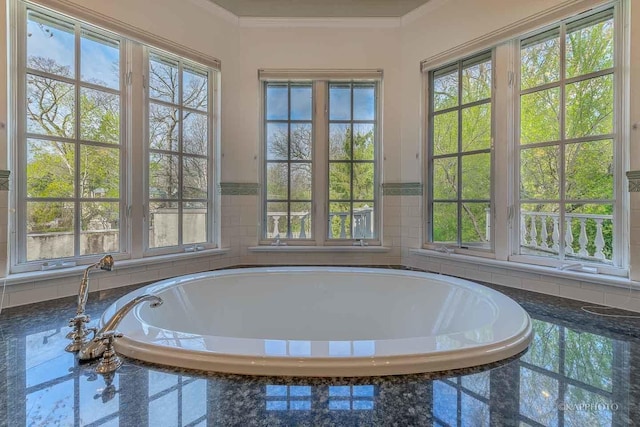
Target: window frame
pixel 620 262
pixel 132 215
pixel 320 79
pixel 430 113
pixel 212 81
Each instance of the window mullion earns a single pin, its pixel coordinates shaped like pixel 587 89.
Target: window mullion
pixel 561 167
pixel 459 171
pixel 320 165
pixel 78 151
pixel 180 158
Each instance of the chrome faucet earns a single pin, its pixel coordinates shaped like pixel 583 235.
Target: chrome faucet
pixel 79 334
pixel 102 343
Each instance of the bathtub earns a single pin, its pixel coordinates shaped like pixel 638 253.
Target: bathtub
pixel 322 321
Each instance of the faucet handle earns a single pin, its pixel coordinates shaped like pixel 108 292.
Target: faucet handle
pixel 110 360
pixel 79 319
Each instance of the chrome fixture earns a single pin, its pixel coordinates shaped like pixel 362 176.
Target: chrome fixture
pixel 79 334
pixel 102 344
pixel 361 243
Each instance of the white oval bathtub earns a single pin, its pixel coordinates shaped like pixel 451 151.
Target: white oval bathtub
pixel 322 321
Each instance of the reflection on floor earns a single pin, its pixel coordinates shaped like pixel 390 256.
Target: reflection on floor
pixel 580 370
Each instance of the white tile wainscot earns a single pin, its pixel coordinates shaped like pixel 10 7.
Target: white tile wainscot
pixel 612 291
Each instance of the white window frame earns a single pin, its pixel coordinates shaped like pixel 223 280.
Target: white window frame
pixel 320 148
pixel 505 224
pixel 133 180
pixel 211 137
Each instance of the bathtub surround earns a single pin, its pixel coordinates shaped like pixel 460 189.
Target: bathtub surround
pixel 48 386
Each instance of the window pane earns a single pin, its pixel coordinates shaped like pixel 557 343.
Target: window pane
pixel 589 170
pixel 277 141
pixel 276 220
pixel 474 412
pixel 339 181
pixel 540 60
pixel 277 102
pixel 589 107
pixel 445 222
pixel 476 127
pixel 445 178
pixel 339 101
pixel 475 222
pixel 163 229
pixel 50 44
pixel 195 89
pixel 539 173
pixel 195 138
pixel 476 82
pixel 194 222
pixel 50 168
pixel 301 137
pixel 277 181
pixel 577 396
pixel 194 178
pixel 301 226
pixel 339 141
pixel 544 351
pixel 99 116
pixel 163 176
pixel 363 184
pixel 445 90
pixel 99 172
pixel 363 220
pixel 163 79
pixel 301 100
pixel 339 221
pixel 100 228
pixel 49 230
pixel 540 116
pixel 445 133
pixel 301 181
pixel 589 359
pixel 540 229
pixel 50 107
pixel 99 59
pixel 590 48
pixel 591 236
pixel 476 176
pixel 364 102
pixel 363 141
pixel 163 127
pixel 535 405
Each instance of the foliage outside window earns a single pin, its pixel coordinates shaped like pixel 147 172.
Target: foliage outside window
pixel 346 155
pixel 72 141
pixel 567 140
pixel 460 153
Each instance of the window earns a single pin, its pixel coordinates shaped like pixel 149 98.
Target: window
pixel 179 148
pixel 526 147
pixel 460 153
pixel 567 141
pixel 77 191
pixel 71 140
pixel 320 169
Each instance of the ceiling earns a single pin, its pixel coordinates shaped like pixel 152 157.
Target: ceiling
pixel 320 8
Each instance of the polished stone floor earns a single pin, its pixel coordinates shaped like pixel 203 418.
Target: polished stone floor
pixel 581 370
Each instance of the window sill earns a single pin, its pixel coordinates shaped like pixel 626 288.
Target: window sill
pixel 596 278
pixel 42 276
pixel 302 249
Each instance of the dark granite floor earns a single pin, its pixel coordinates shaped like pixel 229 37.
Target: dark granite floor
pixel 581 370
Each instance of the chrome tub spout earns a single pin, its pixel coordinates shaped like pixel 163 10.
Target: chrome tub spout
pixel 96 347
pixel 80 333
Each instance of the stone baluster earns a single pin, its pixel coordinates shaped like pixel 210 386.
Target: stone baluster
pixel 330 227
pixel 555 235
pixel 583 240
pixel 343 231
pixel 523 230
pixel 303 233
pixel 276 230
pixel 289 232
pixel 568 238
pixel 544 236
pixel 533 232
pixel 599 240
